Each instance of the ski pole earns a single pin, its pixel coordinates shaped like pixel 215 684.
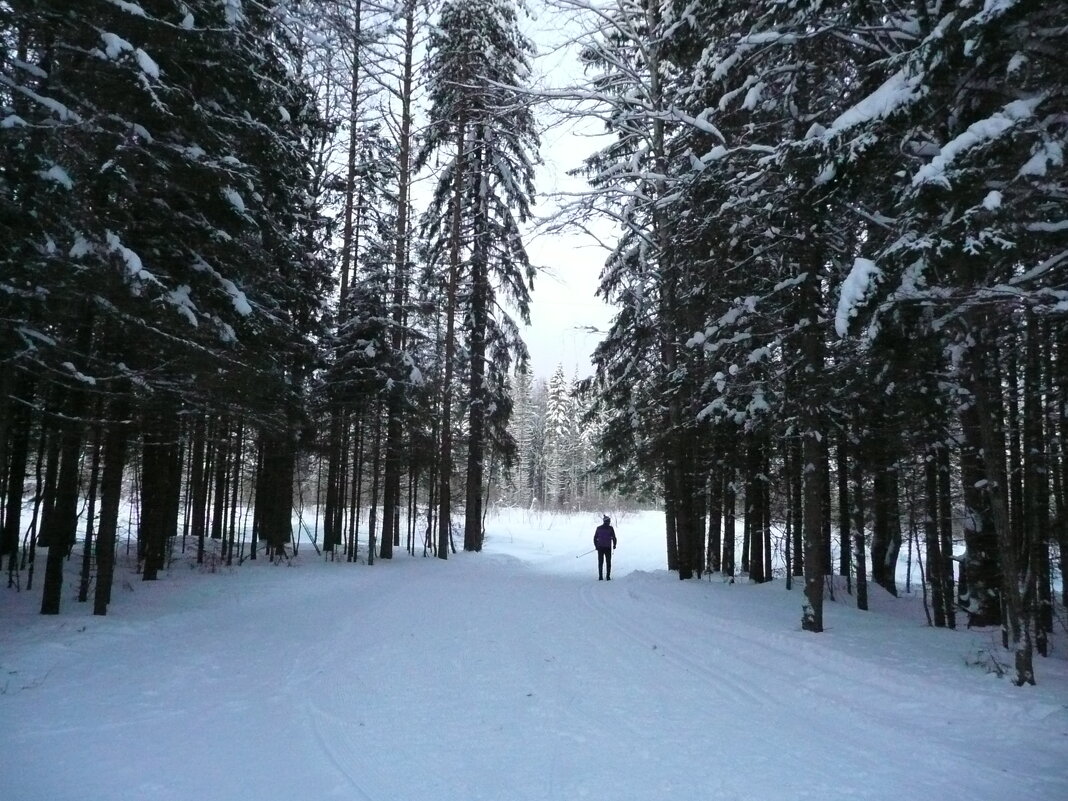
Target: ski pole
pixel 587 552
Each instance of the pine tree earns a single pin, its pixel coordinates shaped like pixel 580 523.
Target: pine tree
pixel 478 60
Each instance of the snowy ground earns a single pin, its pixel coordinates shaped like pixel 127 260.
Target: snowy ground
pixel 508 675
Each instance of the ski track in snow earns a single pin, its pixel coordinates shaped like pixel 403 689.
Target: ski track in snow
pixel 510 675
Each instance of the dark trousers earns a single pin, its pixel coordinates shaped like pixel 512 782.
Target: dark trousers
pixel 604 560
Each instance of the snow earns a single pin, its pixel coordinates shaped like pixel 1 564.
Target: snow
pixel 753 96
pixel 81 247
pixel 133 262
pixel 115 45
pixel 510 675
pixel 233 11
pixel 1049 153
pixel 898 90
pixel 142 133
pixel 977 134
pixel 235 199
pixel 58 175
pixel 147 65
pixel 78 374
pixel 853 291
pixel 237 297
pixel 183 303
pixel 131 8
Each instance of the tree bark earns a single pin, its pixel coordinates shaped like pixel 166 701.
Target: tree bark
pixel 729 502
pixel 479 315
pixel 754 511
pixel 1014 556
pixel 445 457
pixel 115 440
pixel 20 418
pixel 90 518
pixel 860 555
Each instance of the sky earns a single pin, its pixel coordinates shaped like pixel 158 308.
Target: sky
pixel 564 303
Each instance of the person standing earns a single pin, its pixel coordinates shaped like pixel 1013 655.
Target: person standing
pixel 604 540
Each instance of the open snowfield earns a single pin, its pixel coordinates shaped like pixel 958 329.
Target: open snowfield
pixel 509 675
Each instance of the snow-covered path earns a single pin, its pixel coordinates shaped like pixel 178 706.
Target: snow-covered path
pixel 512 674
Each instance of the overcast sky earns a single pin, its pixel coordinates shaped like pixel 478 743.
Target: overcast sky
pixel 564 304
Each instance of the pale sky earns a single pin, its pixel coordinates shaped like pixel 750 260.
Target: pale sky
pixel 564 303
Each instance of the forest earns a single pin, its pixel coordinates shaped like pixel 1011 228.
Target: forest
pixel 259 257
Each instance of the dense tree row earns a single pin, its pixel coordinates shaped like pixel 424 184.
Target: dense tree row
pixel 557 460
pixel 154 204
pixel 843 279
pixel 219 300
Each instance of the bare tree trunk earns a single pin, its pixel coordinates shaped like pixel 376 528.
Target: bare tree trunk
pixel 395 406
pixel 797 495
pixel 1036 496
pixel 931 538
pixel 754 509
pixel 445 458
pixel 729 502
pixel 945 535
pixel 199 481
pixel 158 454
pixel 90 517
pixel 886 525
pixel 479 316
pixel 1016 578
pixel 62 523
pixel 20 418
pixel 372 507
pixel 713 560
pixel 860 555
pixel 115 441
pixel 844 537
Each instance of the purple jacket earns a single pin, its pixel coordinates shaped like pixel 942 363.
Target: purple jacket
pixel 604 537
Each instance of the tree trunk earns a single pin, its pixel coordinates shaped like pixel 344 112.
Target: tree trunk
pixel 222 456
pixel 1017 579
pixel 20 419
pixel 796 510
pixel 199 481
pixel 729 501
pixel 63 521
pixel 945 535
pixel 90 518
pixel 844 537
pixel 1036 495
pixel 931 538
pixel 886 526
pixel 395 405
pixel 860 555
pixel 158 455
pixel 754 508
pixel 713 561
pixel 115 439
pixel 445 457
pixel 479 315
pixel 980 594
pixel 276 478
pixel 372 507
pixel 235 493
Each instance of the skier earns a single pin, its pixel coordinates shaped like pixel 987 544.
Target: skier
pixel 604 540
